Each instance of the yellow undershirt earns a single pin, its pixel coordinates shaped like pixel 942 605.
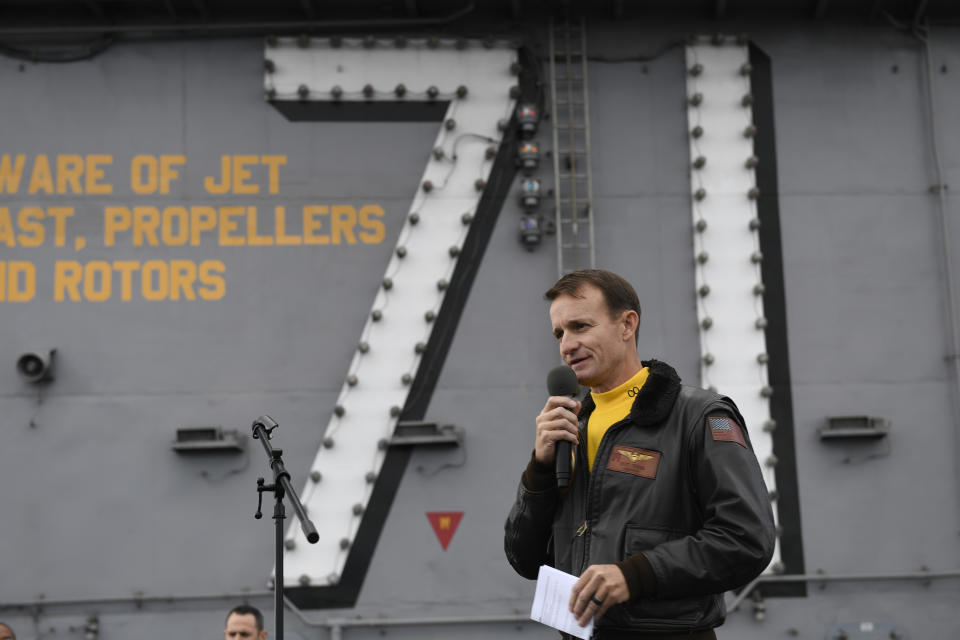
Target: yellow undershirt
pixel 612 407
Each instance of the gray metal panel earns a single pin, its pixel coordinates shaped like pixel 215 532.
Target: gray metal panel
pixel 638 125
pixel 642 200
pixel 865 268
pixel 120 505
pixel 858 514
pixel 864 282
pixel 113 510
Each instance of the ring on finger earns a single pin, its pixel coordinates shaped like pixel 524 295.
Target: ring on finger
pixel 596 600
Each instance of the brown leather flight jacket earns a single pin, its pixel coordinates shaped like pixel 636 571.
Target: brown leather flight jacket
pixel 676 499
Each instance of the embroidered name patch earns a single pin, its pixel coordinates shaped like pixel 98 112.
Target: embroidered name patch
pixel 723 428
pixel 638 462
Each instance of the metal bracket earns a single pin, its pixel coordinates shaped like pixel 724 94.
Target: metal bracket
pixel 208 440
pixel 867 630
pixel 411 433
pixel 854 427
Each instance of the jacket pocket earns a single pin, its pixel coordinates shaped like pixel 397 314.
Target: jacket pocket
pixel 660 613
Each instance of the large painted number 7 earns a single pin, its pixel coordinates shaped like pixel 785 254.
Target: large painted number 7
pixel 476 81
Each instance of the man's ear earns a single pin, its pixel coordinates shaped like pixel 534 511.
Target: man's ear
pixel 631 321
pixel 263 635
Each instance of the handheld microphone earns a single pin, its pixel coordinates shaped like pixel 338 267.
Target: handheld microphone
pixel 562 381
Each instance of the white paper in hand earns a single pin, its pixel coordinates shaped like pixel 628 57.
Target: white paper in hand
pixel 551 603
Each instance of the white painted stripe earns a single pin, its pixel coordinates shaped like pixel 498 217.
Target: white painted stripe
pixel 728 242
pixel 367 419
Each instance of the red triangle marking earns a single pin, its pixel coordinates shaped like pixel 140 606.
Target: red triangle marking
pixel 444 525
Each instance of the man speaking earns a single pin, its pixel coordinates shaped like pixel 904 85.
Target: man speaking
pixel 666 508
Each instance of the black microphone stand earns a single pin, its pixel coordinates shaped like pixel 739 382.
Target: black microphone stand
pixel 262 427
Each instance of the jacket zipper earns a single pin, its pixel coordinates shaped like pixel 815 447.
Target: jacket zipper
pixel 588 522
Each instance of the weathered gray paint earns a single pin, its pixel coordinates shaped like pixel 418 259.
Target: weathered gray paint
pixel 96 505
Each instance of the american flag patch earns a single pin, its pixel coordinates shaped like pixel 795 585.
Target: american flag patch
pixel 724 429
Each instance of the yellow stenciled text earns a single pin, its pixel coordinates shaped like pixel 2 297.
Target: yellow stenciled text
pixel 155 280
pixel 18 281
pixel 237 174
pixel 65 173
pixel 28 226
pixel 238 226
pixel 153 174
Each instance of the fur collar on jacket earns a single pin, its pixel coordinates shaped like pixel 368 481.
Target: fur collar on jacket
pixel 656 398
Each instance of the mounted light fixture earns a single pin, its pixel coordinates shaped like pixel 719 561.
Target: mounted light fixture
pixel 530 232
pixel 530 193
pixel 528 118
pixel 529 157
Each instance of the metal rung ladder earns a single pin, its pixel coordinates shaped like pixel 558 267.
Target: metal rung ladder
pixel 573 180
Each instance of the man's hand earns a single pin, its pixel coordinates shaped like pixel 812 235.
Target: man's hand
pixel 603 583
pixel 557 421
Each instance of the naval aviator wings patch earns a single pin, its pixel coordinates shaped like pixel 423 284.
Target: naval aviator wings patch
pixel 638 462
pixel 725 429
